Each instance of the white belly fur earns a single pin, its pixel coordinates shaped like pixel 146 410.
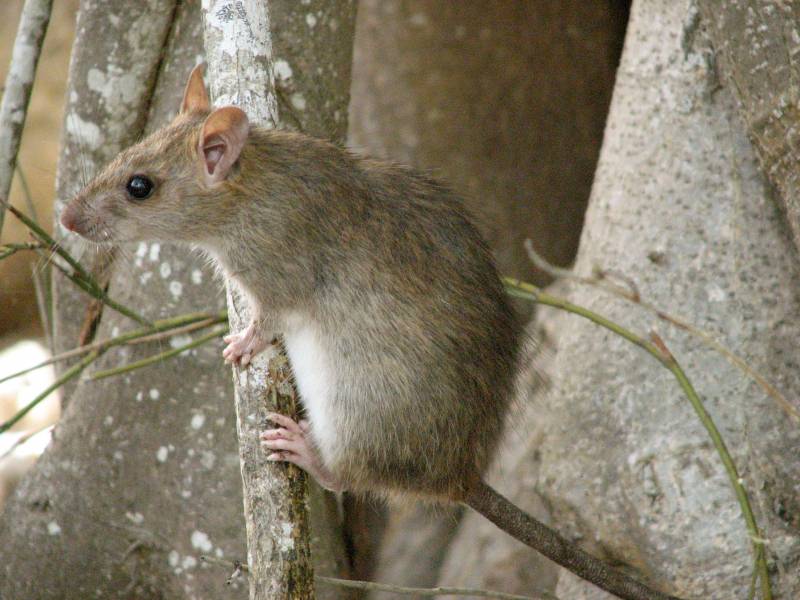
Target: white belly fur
pixel 314 378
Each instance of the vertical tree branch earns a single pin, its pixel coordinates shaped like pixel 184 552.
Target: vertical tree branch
pixel 18 86
pixel 310 50
pixel 238 47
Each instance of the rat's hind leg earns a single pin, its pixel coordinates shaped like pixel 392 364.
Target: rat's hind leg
pixel 243 346
pixel 292 442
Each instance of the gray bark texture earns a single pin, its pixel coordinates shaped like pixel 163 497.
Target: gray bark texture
pixel 681 208
pixel 18 86
pixel 757 44
pixel 142 477
pixel 239 49
pixel 113 72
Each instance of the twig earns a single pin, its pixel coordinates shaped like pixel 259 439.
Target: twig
pixel 658 349
pixel 161 329
pixel 68 375
pixel 396 589
pixel 24 438
pixel 26 192
pixel 631 294
pixel 7 250
pixel 91 357
pixel 19 83
pixel 159 357
pixel 41 276
pixel 91 288
pixel 437 591
pixel 80 277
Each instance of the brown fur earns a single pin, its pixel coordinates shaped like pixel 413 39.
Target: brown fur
pixel 383 257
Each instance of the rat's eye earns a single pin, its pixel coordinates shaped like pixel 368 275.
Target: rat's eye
pixel 140 187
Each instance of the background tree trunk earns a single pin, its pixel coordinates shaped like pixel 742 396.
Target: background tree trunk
pixel 142 476
pixel 756 44
pixel 680 207
pixel 114 69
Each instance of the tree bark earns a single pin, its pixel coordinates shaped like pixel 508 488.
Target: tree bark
pixel 238 45
pixel 18 86
pixel 113 71
pixel 679 207
pixel 756 43
pixel 315 38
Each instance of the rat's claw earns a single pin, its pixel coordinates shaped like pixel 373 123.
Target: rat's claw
pixel 274 434
pixel 286 422
pixel 291 442
pixel 243 346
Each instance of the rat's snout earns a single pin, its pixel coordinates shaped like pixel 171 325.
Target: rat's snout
pixel 70 218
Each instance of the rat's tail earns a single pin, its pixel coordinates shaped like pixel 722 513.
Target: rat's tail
pixel 538 536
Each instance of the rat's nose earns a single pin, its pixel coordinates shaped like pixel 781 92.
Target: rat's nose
pixel 69 218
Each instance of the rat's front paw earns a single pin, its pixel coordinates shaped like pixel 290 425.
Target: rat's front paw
pixel 243 346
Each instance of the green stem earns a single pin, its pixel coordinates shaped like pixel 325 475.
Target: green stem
pixel 71 373
pixel 7 250
pixel 429 592
pixel 81 278
pixel 530 292
pixel 91 288
pixel 163 325
pixel 159 357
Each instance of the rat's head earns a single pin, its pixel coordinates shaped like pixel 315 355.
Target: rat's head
pixel 160 188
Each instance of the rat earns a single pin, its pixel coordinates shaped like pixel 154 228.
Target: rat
pixel 400 336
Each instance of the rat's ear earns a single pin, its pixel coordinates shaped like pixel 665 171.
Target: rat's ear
pixel 195 97
pixel 224 133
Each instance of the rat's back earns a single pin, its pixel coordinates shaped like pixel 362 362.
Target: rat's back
pixel 424 338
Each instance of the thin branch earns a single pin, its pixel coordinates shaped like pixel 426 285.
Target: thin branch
pixel 7 250
pixel 41 276
pixel 18 86
pixel 161 329
pixel 68 375
pixel 80 277
pixel 437 591
pixel 145 362
pixel 24 438
pixel 396 589
pixel 658 349
pixel 631 294
pixel 91 288
pixel 26 192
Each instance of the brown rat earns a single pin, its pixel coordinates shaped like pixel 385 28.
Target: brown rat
pixel 402 341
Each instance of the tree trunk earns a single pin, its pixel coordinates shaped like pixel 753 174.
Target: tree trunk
pixel 113 71
pixel 142 476
pixel 679 207
pixel 756 44
pixel 505 100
